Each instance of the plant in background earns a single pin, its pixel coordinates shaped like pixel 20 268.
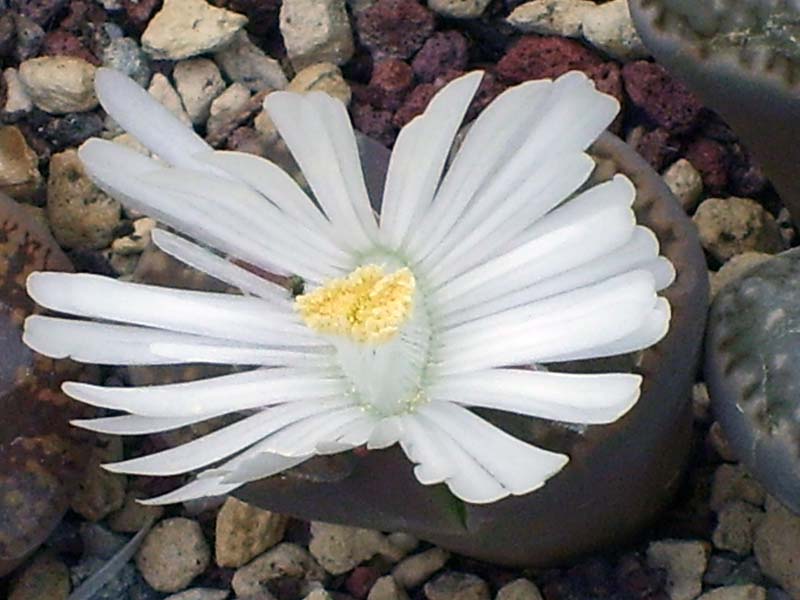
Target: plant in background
pixel 444 301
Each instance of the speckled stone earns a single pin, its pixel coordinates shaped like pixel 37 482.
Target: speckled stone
pixel 17 102
pixel 609 28
pixel 244 531
pixel 59 84
pixel 685 182
pixel 736 524
pixel 132 516
pixel 173 554
pixel 244 62
pixel 316 31
pixel 550 17
pixel 684 562
pixel 519 589
pixel 733 482
pixel 387 588
pixel 459 9
pixel 45 578
pixel 416 569
pixel 286 562
pixel 199 82
pixel 19 165
pixel 777 547
pixel 101 492
pixel 454 585
pixel 339 548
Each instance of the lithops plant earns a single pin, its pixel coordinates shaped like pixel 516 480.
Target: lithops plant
pixel 743 59
pixel 41 456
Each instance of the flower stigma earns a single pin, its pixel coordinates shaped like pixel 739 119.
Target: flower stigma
pixel 368 306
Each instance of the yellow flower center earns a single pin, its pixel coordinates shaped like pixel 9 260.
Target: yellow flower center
pixel 367 306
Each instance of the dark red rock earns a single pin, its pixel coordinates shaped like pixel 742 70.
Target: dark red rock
pixel 360 581
pixel 63 43
pixel 394 28
pixel 746 177
pixel 711 159
pixel 374 123
pixel 443 51
pixel 390 83
pixel 534 57
pixel 416 102
pixel 41 12
pixel 138 12
pixel 262 15
pixel 663 99
pixel 8 34
pixel 657 147
pixel 245 139
pixel 82 15
pixel 488 90
pixel 608 79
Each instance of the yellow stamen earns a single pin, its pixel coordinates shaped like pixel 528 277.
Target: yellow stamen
pixel 367 305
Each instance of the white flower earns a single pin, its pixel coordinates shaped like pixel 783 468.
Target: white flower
pixel 438 304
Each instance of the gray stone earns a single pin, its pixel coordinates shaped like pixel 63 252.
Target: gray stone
pixel 186 28
pixel 733 482
pixel 519 589
pixel 115 588
pixel 198 82
pixel 457 586
pixel 173 554
pixel 59 84
pixel 777 547
pixel 684 562
pixel 284 561
pixel 685 182
pixel 736 592
pixel 339 548
pixel 244 62
pixel 244 531
pixel 100 542
pixel 161 89
pixel 731 226
pixel 387 588
pixel 551 17
pixel 83 217
pixel 199 594
pixel 18 101
pixel 316 31
pixel 736 524
pixel 459 9
pixel 609 28
pixel 415 570
pixel 44 577
pixel 125 55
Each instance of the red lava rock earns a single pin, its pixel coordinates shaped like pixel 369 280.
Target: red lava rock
pixel 390 83
pixel 360 581
pixel 395 28
pixel 711 159
pixel 657 148
pixel 373 122
pixel 608 79
pixel 138 12
pixel 83 13
pixel 415 103
pixel 245 139
pixel 63 43
pixel 663 99
pixel 41 12
pixel 488 90
pixel 746 177
pixel 534 57
pixel 441 52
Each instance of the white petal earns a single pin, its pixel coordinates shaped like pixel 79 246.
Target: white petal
pixel 199 488
pixel 316 132
pixel 258 465
pixel 387 432
pixel 223 442
pixel 516 466
pixel 651 331
pixel 137 425
pixel 424 446
pixel 595 398
pixel 107 344
pixel 219 395
pixel 221 269
pixel 419 156
pixel 224 316
pixel 138 113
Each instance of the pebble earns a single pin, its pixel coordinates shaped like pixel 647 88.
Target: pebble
pixel 551 17
pixel 777 547
pixel 730 226
pixel 459 9
pixel 226 110
pixel 124 54
pixel 173 554
pixel 132 516
pixel 186 28
pixel 199 82
pixel 136 242
pixel 86 226
pixel 733 482
pixel 701 402
pixel 416 569
pixel 736 524
pixel 519 589
pixel 59 84
pixel 29 37
pixel 316 31
pixel 318 594
pixel 609 28
pixel 534 57
pixel 339 548
pixel 244 531
pixel 18 102
pixel 684 562
pixel 19 165
pixel 685 182
pixel 244 62
pixel 395 28
pixel 735 268
pixel 199 594
pixel 46 577
pixel 719 442
pixel 387 588
pixel 284 561
pixel 161 89
pixel 83 217
pixel 453 585
pixel 403 542
pixel 736 592
pixel 443 51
